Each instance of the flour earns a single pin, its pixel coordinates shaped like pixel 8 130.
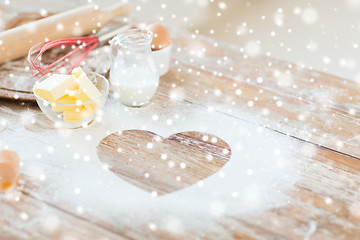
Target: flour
pixel 69 174
pixel 3 125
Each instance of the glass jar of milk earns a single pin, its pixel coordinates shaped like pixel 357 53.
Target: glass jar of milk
pixel 134 77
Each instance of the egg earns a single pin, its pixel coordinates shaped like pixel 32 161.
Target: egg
pixel 161 37
pixel 9 170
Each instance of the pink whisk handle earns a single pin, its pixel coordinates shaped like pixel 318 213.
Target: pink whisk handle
pixel 81 46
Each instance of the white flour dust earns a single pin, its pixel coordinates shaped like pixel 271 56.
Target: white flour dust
pixel 65 166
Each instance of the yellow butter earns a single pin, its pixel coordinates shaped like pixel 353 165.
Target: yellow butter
pixel 77 72
pixel 73 90
pixel 91 106
pixel 57 105
pixel 55 86
pixel 78 114
pixel 87 91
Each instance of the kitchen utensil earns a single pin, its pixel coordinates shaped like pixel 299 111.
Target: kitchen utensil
pixel 26 17
pixel 80 48
pixel 16 42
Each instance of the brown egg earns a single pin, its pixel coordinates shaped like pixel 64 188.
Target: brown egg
pixel 9 169
pixel 161 38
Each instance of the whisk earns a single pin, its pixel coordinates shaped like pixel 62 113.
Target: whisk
pixel 81 46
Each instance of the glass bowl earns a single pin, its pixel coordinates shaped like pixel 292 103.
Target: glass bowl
pixel 75 115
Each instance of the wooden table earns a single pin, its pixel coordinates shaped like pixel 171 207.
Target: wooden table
pixel 308 117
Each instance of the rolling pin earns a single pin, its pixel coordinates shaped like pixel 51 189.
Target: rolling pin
pixel 16 42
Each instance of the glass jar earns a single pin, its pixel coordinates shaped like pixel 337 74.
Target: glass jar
pixel 134 77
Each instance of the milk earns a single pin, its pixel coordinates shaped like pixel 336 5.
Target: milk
pixel 133 86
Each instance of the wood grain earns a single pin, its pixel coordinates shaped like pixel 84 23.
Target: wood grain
pixel 316 108
pixel 23 218
pixel 310 105
pixel 23 18
pixel 295 103
pixel 326 195
pixel 160 165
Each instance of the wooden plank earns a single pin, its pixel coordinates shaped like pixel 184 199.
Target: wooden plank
pixel 320 109
pixel 265 82
pixel 340 166
pixel 307 104
pixel 160 165
pixel 295 222
pixel 23 217
pixel 297 107
pixel 308 201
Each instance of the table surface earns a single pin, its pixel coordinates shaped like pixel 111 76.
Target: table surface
pixel 294 171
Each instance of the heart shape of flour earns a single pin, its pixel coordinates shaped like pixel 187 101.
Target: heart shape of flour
pixel 160 165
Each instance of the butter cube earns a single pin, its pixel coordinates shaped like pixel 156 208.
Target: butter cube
pixel 91 106
pixel 78 114
pixel 77 72
pixel 87 92
pixel 55 86
pixel 67 99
